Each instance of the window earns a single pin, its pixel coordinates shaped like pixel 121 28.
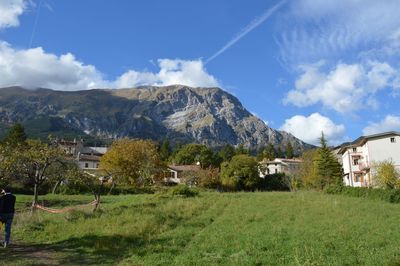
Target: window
pixel 86 165
pixel 354 149
pixel 358 178
pixel 355 159
pixel 276 171
pixel 392 140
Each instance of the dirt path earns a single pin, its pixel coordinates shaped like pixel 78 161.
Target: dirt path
pixel 25 254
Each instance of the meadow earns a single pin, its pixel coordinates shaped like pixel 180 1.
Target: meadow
pixel 260 228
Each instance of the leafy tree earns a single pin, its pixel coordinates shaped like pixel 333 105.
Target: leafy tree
pixel 31 163
pixel 165 150
pixel 328 169
pixel 15 135
pixel 289 150
pixel 209 178
pixel 269 152
pixel 227 152
pixel 386 176
pixel 240 173
pixel 307 172
pixel 193 153
pixel 134 162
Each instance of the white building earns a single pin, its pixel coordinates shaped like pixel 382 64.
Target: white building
pixel 280 165
pixel 359 157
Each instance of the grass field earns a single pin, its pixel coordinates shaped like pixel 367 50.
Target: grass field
pixel 303 228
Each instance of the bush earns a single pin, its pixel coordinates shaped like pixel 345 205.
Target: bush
pixel 389 195
pixel 185 191
pixel 275 182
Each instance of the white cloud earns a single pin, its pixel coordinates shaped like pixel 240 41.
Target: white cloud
pixel 33 68
pixel 389 123
pixel 309 128
pixel 186 72
pixel 10 10
pixel 346 88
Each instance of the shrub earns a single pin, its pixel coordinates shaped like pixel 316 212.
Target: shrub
pixel 185 191
pixel 275 182
pixel 392 195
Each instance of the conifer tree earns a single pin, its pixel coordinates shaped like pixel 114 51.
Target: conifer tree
pixel 270 152
pixel 328 169
pixel 165 150
pixel 15 135
pixel 289 151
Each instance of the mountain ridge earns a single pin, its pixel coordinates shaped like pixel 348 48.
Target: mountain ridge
pixel 183 114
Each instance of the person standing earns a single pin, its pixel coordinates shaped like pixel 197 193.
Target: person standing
pixel 7 210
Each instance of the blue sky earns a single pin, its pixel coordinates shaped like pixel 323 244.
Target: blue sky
pixel 303 66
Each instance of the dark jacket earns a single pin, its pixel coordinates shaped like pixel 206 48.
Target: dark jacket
pixel 7 204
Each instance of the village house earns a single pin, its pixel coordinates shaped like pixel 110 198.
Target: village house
pixel 87 158
pixel 359 158
pixel 177 173
pixel 280 165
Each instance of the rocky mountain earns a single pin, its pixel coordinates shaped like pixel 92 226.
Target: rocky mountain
pixel 180 113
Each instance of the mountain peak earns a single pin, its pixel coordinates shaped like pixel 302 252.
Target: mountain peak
pixel 210 116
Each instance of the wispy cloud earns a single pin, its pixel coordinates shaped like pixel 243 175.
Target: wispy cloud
pixel 315 29
pixel 253 24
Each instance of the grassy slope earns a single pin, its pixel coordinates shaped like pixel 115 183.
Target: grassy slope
pixel 232 229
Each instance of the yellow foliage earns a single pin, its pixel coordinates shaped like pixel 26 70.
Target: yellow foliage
pixel 132 161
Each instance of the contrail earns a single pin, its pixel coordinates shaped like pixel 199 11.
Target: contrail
pixel 35 23
pixel 254 24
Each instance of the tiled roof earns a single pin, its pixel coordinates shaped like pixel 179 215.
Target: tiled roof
pixel 185 168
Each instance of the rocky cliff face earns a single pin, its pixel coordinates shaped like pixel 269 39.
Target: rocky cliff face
pixel 180 113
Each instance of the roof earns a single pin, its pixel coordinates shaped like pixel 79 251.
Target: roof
pixel 92 158
pixel 363 139
pixel 94 150
pixel 282 160
pixel 185 168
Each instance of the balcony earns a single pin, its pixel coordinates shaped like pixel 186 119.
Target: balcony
pixel 363 165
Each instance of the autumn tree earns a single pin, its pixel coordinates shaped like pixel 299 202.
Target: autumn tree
pixel 240 173
pixel 386 175
pixel 307 172
pixel 134 162
pixel 31 163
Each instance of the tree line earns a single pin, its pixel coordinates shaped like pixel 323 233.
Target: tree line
pixel 38 167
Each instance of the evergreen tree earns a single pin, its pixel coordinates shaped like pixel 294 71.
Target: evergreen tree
pixel 227 152
pixel 241 150
pixel 279 152
pixel 165 150
pixel 328 169
pixel 270 152
pixel 16 135
pixel 260 153
pixel 289 151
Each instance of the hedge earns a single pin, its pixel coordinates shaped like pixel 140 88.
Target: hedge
pixel 389 195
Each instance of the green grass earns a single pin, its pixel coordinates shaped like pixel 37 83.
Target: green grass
pixel 303 228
